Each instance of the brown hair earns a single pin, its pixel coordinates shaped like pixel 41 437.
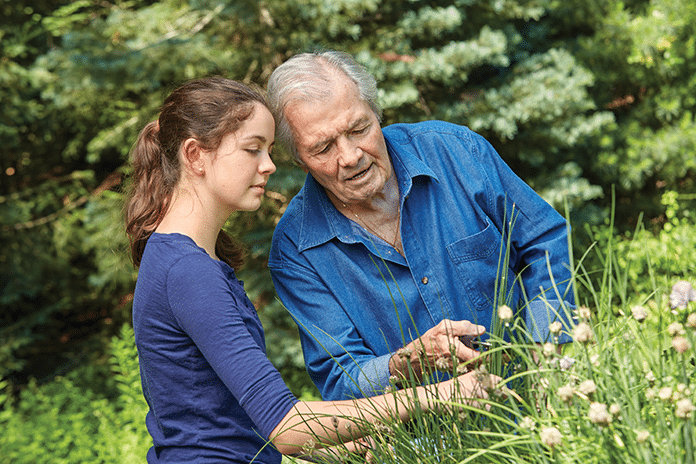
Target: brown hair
pixel 205 110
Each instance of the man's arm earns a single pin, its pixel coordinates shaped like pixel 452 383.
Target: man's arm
pixel 337 360
pixel 538 237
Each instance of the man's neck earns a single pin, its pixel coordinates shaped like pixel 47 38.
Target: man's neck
pixel 384 203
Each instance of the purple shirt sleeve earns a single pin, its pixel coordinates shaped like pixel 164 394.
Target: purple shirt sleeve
pixel 216 313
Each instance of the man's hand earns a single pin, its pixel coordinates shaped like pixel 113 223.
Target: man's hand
pixel 436 350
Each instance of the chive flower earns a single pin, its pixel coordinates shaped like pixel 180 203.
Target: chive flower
pixel 691 321
pixel 684 408
pixel 565 393
pixel 555 327
pixel 675 328
pixel 584 313
pixel 582 332
pixel 588 387
pixel 598 414
pixel 680 344
pixel 642 436
pixel 505 313
pixel 639 313
pixel 551 436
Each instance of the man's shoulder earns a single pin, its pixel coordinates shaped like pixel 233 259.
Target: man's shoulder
pixel 405 132
pixel 289 228
pixel 292 216
pixel 434 140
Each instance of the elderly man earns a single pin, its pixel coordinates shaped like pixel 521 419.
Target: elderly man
pixel 405 236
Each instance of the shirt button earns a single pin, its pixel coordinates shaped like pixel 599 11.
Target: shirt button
pixel 424 280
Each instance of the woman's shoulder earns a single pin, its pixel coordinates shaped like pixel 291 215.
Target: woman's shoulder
pixel 179 253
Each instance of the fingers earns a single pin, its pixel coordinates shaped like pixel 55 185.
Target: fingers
pixel 457 329
pixel 448 332
pixel 466 328
pixel 444 340
pixel 480 384
pixel 470 388
pixel 466 354
pixel 437 348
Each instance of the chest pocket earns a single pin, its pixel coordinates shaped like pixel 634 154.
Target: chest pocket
pixel 476 259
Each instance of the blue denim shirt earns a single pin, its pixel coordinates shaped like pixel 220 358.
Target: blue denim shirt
pixel 356 300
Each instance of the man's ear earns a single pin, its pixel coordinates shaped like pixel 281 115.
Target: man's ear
pixel 192 156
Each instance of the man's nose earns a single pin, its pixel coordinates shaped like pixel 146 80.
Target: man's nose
pixel 349 153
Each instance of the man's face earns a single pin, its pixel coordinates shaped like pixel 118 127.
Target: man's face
pixel 339 141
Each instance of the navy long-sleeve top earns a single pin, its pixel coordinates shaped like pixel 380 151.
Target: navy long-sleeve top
pixel 213 394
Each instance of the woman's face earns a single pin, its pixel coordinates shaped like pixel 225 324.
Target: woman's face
pixel 236 173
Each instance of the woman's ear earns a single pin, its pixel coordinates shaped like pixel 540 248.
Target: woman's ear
pixel 192 156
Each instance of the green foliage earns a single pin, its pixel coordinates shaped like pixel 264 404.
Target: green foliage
pixel 647 258
pixel 626 396
pixel 94 414
pixel 64 272
pixel 647 79
pixel 576 95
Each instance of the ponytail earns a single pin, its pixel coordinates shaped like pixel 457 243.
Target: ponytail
pixel 230 250
pixel 153 181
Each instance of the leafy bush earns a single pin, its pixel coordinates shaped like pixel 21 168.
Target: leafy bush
pixel 645 259
pixel 624 391
pixel 94 414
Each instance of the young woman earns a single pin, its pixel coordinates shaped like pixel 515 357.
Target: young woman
pixel 213 394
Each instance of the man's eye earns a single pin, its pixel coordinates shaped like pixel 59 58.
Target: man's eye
pixel 360 131
pixel 324 150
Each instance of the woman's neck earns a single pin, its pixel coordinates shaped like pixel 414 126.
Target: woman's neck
pixel 188 216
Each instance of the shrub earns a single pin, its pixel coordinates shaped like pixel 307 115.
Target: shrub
pixel 623 391
pixel 94 414
pixel 645 261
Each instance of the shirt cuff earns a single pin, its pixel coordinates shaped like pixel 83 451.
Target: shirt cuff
pixel 540 314
pixel 374 375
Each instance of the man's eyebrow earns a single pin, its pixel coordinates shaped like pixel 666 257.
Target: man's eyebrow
pixel 320 144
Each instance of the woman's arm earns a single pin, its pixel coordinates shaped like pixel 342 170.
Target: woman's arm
pixel 316 424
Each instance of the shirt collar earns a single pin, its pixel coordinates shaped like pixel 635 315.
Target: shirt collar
pixel 321 221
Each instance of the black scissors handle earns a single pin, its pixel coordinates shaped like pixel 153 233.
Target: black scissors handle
pixel 475 343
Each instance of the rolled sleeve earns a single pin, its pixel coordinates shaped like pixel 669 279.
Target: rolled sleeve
pixel 540 314
pixel 374 376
